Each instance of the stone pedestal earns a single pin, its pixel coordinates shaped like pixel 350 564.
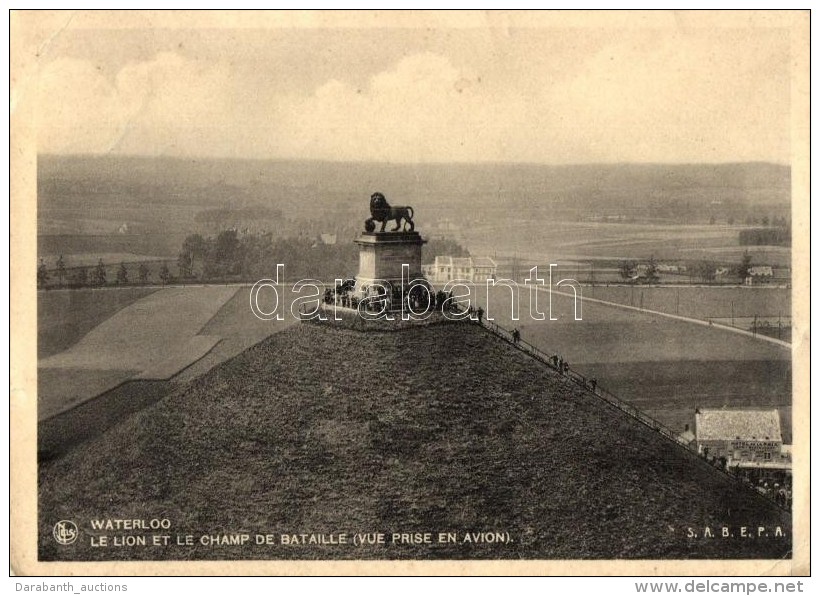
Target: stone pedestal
pixel 381 256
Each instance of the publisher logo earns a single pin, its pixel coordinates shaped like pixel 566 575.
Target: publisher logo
pixel 65 532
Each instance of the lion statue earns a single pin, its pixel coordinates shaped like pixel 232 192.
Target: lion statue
pixel 380 210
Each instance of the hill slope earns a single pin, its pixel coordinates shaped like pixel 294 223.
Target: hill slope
pixel 437 429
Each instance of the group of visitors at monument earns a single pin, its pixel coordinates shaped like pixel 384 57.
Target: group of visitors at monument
pixel 343 299
pixel 382 298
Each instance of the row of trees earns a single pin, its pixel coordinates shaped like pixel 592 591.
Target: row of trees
pixel 96 275
pixel 249 256
pixel 231 256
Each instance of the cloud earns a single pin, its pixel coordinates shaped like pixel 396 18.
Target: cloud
pixel 423 108
pixel 165 105
pixel 667 98
pixel 680 99
pixel 78 110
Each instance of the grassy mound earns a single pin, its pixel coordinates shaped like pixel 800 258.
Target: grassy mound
pixel 431 430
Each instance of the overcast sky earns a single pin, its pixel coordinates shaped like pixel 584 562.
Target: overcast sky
pixel 541 95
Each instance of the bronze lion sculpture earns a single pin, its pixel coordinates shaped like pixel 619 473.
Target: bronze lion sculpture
pixel 380 210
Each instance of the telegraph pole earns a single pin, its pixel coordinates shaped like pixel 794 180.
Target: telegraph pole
pixel 592 276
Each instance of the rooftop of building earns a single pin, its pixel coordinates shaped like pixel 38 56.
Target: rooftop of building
pixel 733 425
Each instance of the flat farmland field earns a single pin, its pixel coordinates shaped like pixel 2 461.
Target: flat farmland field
pixel 778 256
pixel 65 316
pixel 553 241
pixel 700 302
pixel 613 334
pixel 152 337
pixel 666 367
pixel 130 334
pixel 76 404
pixel 146 332
pixel 667 390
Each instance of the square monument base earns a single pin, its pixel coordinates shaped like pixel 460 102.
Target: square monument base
pixel 382 254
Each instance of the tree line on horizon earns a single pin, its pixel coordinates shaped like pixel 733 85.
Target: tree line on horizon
pixel 230 256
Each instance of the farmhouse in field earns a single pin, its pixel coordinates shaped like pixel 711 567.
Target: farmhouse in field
pixel 472 269
pixel 747 440
pixel 667 268
pixel 758 274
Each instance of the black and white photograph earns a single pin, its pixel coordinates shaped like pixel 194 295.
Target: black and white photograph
pixel 383 288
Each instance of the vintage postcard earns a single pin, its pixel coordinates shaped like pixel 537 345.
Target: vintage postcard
pixel 409 292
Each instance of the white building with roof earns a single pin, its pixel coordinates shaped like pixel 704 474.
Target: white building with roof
pixel 746 439
pixel 471 269
pixel 761 271
pixel 758 274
